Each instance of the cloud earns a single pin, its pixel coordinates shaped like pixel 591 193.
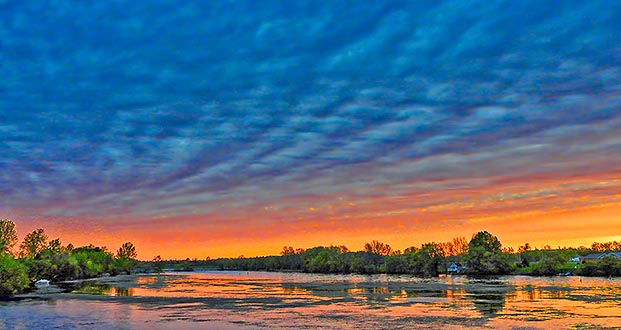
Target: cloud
pixel 129 110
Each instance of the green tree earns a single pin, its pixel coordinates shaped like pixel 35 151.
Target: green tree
pixel 127 251
pixel 8 235
pixel 549 265
pixel 13 276
pixel 33 243
pixel 486 241
pixel 92 261
pixel 485 256
pixel 126 256
pixel 425 261
pixel 55 246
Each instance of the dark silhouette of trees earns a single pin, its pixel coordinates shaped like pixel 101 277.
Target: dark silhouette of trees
pixel 157 264
pixel 127 251
pixel 524 248
pixel 379 248
pixel 286 250
pixel 8 235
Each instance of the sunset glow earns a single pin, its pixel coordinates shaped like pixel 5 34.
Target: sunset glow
pixel 213 129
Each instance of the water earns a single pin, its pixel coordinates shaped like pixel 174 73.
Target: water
pixel 256 300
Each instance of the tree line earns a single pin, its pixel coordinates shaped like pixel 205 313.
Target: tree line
pixel 38 258
pixel 483 254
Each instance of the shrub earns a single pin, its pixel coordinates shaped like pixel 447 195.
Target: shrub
pixel 13 276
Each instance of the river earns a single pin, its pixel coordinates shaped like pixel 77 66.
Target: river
pixel 259 300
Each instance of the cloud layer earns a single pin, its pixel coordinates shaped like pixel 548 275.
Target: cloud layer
pixel 219 109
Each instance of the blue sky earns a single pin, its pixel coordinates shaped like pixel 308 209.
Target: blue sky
pixel 138 110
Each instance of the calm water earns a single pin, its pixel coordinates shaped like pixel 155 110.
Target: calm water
pixel 254 300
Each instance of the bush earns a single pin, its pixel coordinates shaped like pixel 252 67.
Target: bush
pixel 39 269
pixel 13 276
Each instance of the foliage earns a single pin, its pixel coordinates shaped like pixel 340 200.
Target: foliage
pixel 485 242
pixel 548 265
pixel 125 258
pixel 127 251
pixel 157 264
pixel 455 247
pixel 481 262
pixel 13 276
pixel 55 262
pixel 93 262
pixel 33 243
pixel 609 266
pixel 377 247
pixel 608 246
pixel 8 235
pixel 485 256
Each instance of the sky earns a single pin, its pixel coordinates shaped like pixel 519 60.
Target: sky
pixel 226 128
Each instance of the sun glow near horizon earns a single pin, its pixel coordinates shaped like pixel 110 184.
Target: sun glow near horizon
pixel 215 129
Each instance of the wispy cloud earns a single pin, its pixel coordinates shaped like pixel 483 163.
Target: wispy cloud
pixel 119 109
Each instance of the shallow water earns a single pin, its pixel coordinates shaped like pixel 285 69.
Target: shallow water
pixel 254 300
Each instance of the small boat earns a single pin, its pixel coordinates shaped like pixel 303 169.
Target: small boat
pixel 42 282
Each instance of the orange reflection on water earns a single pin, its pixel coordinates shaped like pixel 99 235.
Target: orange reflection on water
pixel 279 300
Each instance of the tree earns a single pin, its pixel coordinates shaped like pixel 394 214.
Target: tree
pixel 157 264
pixel 411 249
pixel 549 265
pixel 13 276
pixel 486 241
pixel 376 247
pixel 455 247
pixel 33 243
pixel 127 251
pixel 8 235
pixel 460 246
pixel 55 245
pixel 286 250
pixel 524 248
pixel 485 255
pixel 428 259
pixel 126 256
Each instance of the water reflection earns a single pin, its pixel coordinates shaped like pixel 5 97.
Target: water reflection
pixel 97 288
pixel 283 300
pixel 489 304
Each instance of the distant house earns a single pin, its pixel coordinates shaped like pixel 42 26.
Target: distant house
pixel 454 269
pixel 597 256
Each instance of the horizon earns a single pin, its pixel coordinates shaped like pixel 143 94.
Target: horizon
pixel 542 246
pixel 201 130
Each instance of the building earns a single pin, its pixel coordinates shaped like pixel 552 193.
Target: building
pixel 454 269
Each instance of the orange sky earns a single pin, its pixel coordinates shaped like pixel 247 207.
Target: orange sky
pixel 220 130
pixel 570 212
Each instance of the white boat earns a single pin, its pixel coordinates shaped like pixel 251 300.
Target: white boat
pixel 42 283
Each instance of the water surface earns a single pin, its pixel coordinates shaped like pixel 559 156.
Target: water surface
pixel 255 300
